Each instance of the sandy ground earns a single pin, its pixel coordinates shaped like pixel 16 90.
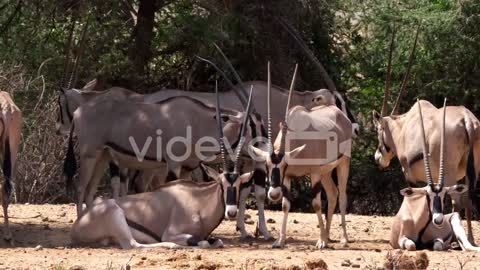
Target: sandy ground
pixel 48 226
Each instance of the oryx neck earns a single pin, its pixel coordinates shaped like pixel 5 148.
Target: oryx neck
pixel 394 127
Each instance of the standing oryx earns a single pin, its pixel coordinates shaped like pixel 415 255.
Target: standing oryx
pixel 397 132
pixel 10 135
pixel 420 222
pixel 141 136
pixel 311 142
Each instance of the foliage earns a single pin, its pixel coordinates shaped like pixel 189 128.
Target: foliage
pixel 126 47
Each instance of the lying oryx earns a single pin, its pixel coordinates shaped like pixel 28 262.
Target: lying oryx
pixel 181 212
pixel 141 136
pixel 396 132
pixel 10 135
pixel 311 142
pixel 420 222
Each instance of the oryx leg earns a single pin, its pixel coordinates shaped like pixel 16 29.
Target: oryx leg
pixel 86 170
pixel 124 183
pixel 332 196
pixel 7 234
pixel 260 195
pixel 280 242
pixel 242 201
pixel 97 174
pixel 459 232
pixel 188 240
pixel 343 170
pixel 114 179
pixel 317 206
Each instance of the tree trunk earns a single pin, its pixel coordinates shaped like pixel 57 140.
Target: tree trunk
pixel 141 51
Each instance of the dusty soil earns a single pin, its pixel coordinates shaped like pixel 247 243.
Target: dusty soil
pixel 48 226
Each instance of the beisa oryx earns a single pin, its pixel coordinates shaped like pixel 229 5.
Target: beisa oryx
pixel 142 136
pixel 311 142
pixel 396 132
pixel 420 222
pixel 178 214
pixel 10 135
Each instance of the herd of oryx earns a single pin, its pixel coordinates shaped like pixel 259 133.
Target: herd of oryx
pixel 150 142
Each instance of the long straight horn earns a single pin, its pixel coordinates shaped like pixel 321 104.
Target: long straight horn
pixel 428 172
pixel 81 50
pixel 235 73
pixel 68 50
pixel 220 129
pixel 441 173
pixel 242 131
pixel 238 92
pixel 388 78
pixel 284 124
pixel 396 107
pixel 321 69
pixel 269 110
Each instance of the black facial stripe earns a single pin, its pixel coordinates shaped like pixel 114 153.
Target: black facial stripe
pixel 437 204
pixel 231 177
pixel 275 177
pixel 259 177
pixel 231 196
pixel 277 158
pixel 252 127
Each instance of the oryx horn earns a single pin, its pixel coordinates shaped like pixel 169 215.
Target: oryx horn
pixel 220 129
pixel 441 173
pixel 396 107
pixel 242 131
pixel 426 160
pixel 388 78
pixel 269 110
pixel 323 72
pixel 235 73
pixel 239 94
pixel 284 126
pixel 68 49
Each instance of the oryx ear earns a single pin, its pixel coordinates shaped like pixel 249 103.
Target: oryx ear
pixel 294 153
pixel 212 173
pixel 90 85
pixel 408 192
pixel 457 189
pixel 244 178
pixel 257 154
pixel 377 118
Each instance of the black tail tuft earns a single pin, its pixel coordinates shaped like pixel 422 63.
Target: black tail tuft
pixel 7 168
pixel 472 180
pixel 70 164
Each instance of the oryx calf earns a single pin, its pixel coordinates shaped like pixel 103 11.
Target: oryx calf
pixel 420 222
pixel 10 135
pixel 312 142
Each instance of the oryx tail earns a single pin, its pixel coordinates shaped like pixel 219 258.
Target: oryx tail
pixel 471 171
pixel 7 166
pixel 70 164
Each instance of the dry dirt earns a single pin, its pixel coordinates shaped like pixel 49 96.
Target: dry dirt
pixel 48 226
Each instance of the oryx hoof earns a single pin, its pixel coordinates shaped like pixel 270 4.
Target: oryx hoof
pixel 279 243
pixel 203 244
pixel 344 242
pixel 217 244
pixel 321 244
pixel 438 246
pixel 410 245
pixel 246 237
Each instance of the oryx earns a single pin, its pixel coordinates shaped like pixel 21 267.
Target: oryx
pixel 10 135
pixel 396 132
pixel 178 214
pixel 141 136
pixel 420 222
pixel 311 142
pixel 181 212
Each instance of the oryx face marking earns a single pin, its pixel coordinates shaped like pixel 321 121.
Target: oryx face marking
pixel 384 153
pixel 64 115
pixel 276 169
